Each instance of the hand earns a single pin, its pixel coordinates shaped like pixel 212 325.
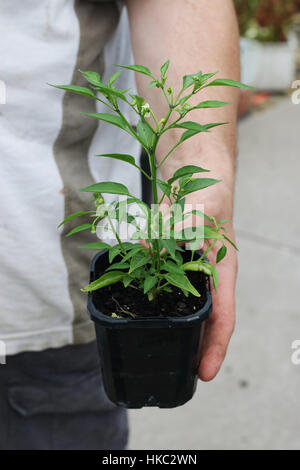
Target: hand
pixel 219 327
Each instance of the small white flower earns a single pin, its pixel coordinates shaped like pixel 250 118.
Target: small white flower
pixel 101 211
pixel 146 110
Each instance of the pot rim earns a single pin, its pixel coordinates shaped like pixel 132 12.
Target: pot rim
pixel 152 322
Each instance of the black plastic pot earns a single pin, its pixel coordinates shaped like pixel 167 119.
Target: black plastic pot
pixel 148 361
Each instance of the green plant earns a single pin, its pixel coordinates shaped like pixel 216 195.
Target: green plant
pixel 265 20
pixel 157 265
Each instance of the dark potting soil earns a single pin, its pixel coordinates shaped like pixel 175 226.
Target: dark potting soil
pixel 132 302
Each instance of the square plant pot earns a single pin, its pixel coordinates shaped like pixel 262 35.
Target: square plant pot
pixel 148 361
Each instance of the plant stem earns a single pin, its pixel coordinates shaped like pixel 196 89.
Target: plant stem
pixel 144 173
pixel 106 104
pixel 154 167
pixel 155 243
pixel 136 112
pixel 132 131
pixel 168 154
pixel 116 234
pixel 171 126
pixel 166 96
pixel 208 249
pixel 164 285
pixel 155 120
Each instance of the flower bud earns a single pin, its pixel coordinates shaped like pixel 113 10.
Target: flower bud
pixel 145 110
pixel 101 211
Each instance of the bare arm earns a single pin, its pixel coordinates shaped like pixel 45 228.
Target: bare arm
pixel 197 35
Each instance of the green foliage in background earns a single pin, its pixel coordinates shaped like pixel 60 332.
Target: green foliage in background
pixel 266 20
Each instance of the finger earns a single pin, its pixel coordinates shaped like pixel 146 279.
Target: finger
pixel 219 327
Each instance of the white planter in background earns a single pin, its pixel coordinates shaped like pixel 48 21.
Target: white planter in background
pixel 269 66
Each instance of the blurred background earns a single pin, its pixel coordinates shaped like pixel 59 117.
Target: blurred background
pixel 270 52
pixel 253 402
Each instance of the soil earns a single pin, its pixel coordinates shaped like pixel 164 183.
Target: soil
pixel 132 302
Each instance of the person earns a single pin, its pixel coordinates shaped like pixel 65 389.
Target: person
pixel 51 393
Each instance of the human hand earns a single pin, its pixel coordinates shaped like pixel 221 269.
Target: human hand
pixel 219 327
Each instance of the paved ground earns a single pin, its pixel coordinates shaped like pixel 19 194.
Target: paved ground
pixel 254 402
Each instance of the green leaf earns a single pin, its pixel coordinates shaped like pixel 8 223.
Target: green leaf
pixel 145 133
pixel 172 268
pixel 195 126
pixel 107 187
pixel 91 77
pixel 120 265
pixel 137 68
pixel 208 233
pixel 138 260
pixel 223 221
pixel 132 252
pixel 231 242
pixel 197 184
pixel 187 170
pixel 181 281
pixel 119 156
pixel 138 235
pixel 79 90
pixel 149 283
pixel 187 134
pixel 139 101
pixel 113 252
pixel 72 216
pixel 201 214
pixel 189 80
pixel 153 83
pixel 207 76
pixel 204 128
pixel 80 228
pixel 221 253
pixel 114 77
pixel 170 245
pixel 215 276
pixel 127 280
pixel 142 205
pixel 228 82
pixel 210 104
pixel 164 68
pixel 106 91
pixel 111 118
pixel 116 250
pixel 96 246
pixel 106 280
pixel 178 259
pixel 165 187
pixel 138 273
pixel 197 266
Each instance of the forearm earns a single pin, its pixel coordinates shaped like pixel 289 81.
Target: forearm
pixel 195 35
